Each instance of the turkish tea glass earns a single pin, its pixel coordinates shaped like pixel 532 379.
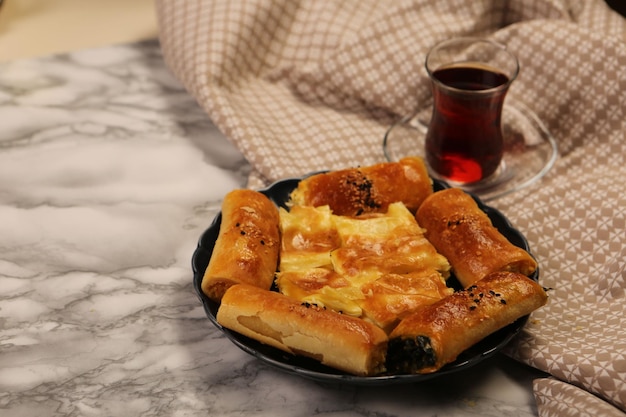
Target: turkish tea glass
pixel 470 78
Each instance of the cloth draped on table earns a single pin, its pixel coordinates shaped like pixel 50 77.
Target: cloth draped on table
pixel 301 86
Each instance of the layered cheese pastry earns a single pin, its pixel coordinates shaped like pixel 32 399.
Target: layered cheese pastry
pixel 379 267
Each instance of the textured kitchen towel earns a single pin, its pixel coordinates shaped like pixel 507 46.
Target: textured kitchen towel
pixel 559 399
pixel 303 85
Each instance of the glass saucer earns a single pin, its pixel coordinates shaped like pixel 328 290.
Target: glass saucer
pixel 529 150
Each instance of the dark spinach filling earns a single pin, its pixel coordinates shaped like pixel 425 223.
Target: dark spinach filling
pixel 410 355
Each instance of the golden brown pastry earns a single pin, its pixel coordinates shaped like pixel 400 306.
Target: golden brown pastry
pixel 464 234
pixel 392 297
pixel 436 334
pixel 391 242
pixel 308 235
pixel 355 191
pixel 337 340
pixel 378 266
pixel 247 246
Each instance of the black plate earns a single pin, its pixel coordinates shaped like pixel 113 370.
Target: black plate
pixel 309 368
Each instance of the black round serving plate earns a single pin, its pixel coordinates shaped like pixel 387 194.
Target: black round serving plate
pixel 309 368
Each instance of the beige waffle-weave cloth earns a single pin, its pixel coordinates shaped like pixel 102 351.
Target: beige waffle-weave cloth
pixel 303 85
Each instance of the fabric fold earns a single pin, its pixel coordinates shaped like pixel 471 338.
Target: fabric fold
pixel 558 399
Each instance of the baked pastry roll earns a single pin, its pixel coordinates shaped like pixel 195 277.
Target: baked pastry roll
pixel 337 340
pixel 247 246
pixel 464 234
pixel 355 191
pixel 435 335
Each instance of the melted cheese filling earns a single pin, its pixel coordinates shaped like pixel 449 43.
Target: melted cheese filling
pixel 379 267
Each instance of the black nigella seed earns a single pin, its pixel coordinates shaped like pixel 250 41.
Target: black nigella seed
pixel 242 233
pixel 503 301
pixel 472 307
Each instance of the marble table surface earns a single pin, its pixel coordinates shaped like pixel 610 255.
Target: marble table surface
pixel 109 173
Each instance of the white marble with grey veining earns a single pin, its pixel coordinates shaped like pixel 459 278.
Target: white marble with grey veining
pixel 109 173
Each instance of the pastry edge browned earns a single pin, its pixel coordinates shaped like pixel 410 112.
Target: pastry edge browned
pixel 247 246
pixel 357 191
pixel 434 336
pixel 343 342
pixel 464 234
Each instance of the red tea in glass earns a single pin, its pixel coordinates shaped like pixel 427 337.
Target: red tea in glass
pixel 470 79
